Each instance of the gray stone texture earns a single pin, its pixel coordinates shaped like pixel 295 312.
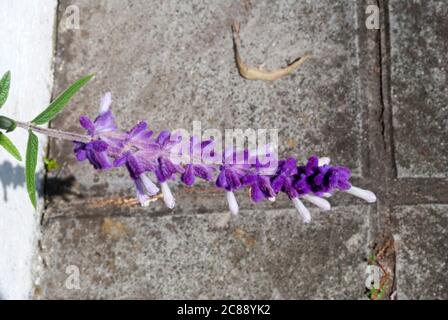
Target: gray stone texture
pixel 259 255
pixel 419 91
pixel 422 242
pixel 172 62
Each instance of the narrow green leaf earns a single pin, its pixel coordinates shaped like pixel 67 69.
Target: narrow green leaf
pixel 61 101
pixel 9 146
pixel 4 87
pixel 30 167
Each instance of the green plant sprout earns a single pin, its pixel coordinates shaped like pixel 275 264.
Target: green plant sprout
pixel 51 164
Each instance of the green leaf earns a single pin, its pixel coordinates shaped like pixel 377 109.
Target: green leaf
pixel 4 87
pixel 30 167
pixel 10 147
pixel 61 101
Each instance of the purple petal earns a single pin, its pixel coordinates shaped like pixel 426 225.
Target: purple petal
pixel 134 166
pixel 105 122
pixel 333 179
pixel 141 192
pixel 256 194
pixel 80 150
pixel 278 182
pixel 233 180
pixel 188 175
pixel 289 189
pixel 302 186
pixel 344 185
pixel 99 160
pixel 312 164
pixel 81 155
pixel 265 187
pixel 121 161
pixel 138 129
pixel 147 159
pixel 166 169
pixel 87 124
pixel 97 145
pixel 221 181
pixel 163 137
pixel 290 166
pixel 319 179
pixel 203 172
pixel 249 179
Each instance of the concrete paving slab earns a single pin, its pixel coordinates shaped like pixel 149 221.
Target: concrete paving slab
pixel 422 246
pixel 419 43
pixel 259 255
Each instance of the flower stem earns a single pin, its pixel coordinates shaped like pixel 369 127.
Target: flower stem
pixel 58 134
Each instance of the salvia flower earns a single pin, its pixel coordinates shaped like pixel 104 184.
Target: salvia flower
pixel 231 174
pixel 96 150
pixel 259 178
pixel 138 157
pixel 195 168
pixel 145 155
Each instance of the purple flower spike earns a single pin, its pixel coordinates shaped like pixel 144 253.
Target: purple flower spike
pixel 143 154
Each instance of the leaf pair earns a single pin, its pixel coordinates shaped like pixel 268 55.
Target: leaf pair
pixel 33 143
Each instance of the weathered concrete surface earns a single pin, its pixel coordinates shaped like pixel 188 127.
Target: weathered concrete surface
pixel 257 255
pixel 422 246
pixel 418 67
pixel 171 63
pixel 419 43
